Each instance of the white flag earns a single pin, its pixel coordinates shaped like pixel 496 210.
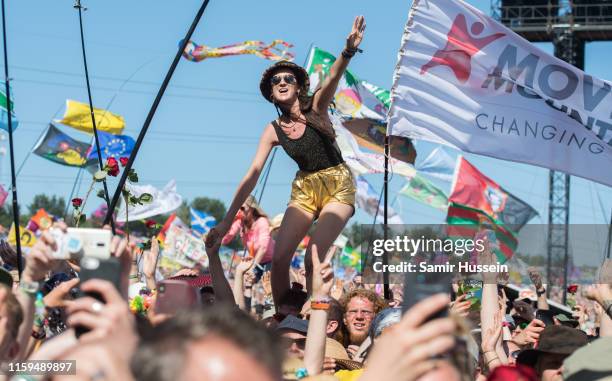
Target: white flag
pixel 465 80
pixel 164 201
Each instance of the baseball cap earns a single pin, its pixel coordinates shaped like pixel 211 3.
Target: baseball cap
pixel 566 321
pixel 291 323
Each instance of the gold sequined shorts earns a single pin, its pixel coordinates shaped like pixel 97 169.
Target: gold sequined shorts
pixel 310 191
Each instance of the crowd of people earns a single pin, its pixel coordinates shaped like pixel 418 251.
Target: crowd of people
pixel 224 324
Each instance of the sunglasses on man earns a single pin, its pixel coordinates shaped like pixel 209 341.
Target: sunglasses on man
pixel 288 342
pixel 289 79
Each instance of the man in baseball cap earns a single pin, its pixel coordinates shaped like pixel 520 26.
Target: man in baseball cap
pixel 556 343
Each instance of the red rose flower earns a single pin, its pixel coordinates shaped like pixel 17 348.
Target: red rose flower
pixel 150 224
pixel 112 166
pixel 76 202
pixel 572 288
pixel 124 161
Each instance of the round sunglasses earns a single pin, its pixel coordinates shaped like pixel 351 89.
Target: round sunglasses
pixel 289 79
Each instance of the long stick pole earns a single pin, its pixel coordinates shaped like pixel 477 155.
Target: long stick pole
pixel 149 118
pixel 609 236
pixel 11 148
pixel 79 7
pixel 385 258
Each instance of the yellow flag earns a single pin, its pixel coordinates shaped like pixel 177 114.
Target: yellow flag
pixel 78 116
pixel 28 239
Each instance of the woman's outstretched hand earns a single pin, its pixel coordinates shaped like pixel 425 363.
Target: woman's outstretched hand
pixel 356 36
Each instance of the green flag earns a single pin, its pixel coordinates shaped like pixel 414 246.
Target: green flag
pixel 422 190
pixel 4 113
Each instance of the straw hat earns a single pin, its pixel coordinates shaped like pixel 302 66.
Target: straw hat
pixel 252 203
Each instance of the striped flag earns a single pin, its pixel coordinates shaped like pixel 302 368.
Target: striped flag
pixel 4 113
pixel 464 222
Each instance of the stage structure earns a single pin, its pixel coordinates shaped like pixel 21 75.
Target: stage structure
pixel 569 25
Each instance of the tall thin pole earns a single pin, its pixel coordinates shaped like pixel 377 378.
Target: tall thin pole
pixel 263 187
pixel 385 258
pixel 11 148
pixel 149 118
pixel 609 236
pixel 79 7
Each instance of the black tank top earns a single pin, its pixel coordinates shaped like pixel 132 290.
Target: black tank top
pixel 313 151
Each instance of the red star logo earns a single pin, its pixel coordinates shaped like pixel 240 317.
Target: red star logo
pixel 460 47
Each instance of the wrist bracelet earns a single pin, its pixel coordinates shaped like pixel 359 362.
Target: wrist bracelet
pixel 347 54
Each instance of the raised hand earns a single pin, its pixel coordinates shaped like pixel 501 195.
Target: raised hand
pixel 244 266
pixel 322 273
pixel 536 278
pixel 149 258
pixel 356 36
pixel 460 306
pixel 266 282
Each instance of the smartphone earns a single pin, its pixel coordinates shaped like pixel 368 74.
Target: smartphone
pixel 472 288
pixel 421 285
pixel 175 295
pixel 94 268
pixel 82 242
pixel 546 317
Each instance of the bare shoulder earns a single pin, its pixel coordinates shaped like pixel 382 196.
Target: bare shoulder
pixel 269 134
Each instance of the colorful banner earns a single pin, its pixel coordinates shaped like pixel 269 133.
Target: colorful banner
pixel 181 245
pixel 465 222
pixel 465 80
pixel 28 238
pixel 62 149
pixel 4 113
pixel 423 191
pixel 361 106
pixel 275 51
pixel 3 196
pixel 112 146
pixel 475 190
pixel 364 162
pixel 78 116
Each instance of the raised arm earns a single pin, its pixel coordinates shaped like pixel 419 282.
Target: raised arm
pixel 267 141
pixel 323 98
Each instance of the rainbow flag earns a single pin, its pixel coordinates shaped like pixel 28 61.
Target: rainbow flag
pixel 464 222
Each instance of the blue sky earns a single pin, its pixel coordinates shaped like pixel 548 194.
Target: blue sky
pixel 206 129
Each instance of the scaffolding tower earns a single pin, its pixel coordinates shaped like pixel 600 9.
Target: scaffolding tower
pixel 569 25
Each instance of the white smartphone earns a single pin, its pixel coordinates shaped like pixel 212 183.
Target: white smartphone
pixel 83 242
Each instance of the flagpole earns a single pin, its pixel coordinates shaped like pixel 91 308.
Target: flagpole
pixel 269 168
pixel 385 258
pixel 609 236
pixel 11 148
pixel 79 7
pixel 152 111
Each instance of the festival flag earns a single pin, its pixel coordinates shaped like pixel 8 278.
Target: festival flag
pixel 438 164
pixel 112 146
pixel 28 238
pixel 3 195
pixel 422 190
pixel 173 220
pixel 201 222
pixel 464 222
pixel 351 257
pixel 275 51
pixel 475 190
pixel 362 107
pixel 464 80
pixel 365 162
pixel 164 201
pixel 41 220
pixel 78 116
pixel 4 113
pixel 368 200
pixel 60 148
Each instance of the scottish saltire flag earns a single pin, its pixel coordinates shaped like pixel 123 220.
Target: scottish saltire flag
pixel 201 222
pixel 4 113
pixel 112 146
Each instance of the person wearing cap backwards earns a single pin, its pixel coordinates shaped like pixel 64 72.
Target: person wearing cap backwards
pixel 556 344
pixel 324 187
